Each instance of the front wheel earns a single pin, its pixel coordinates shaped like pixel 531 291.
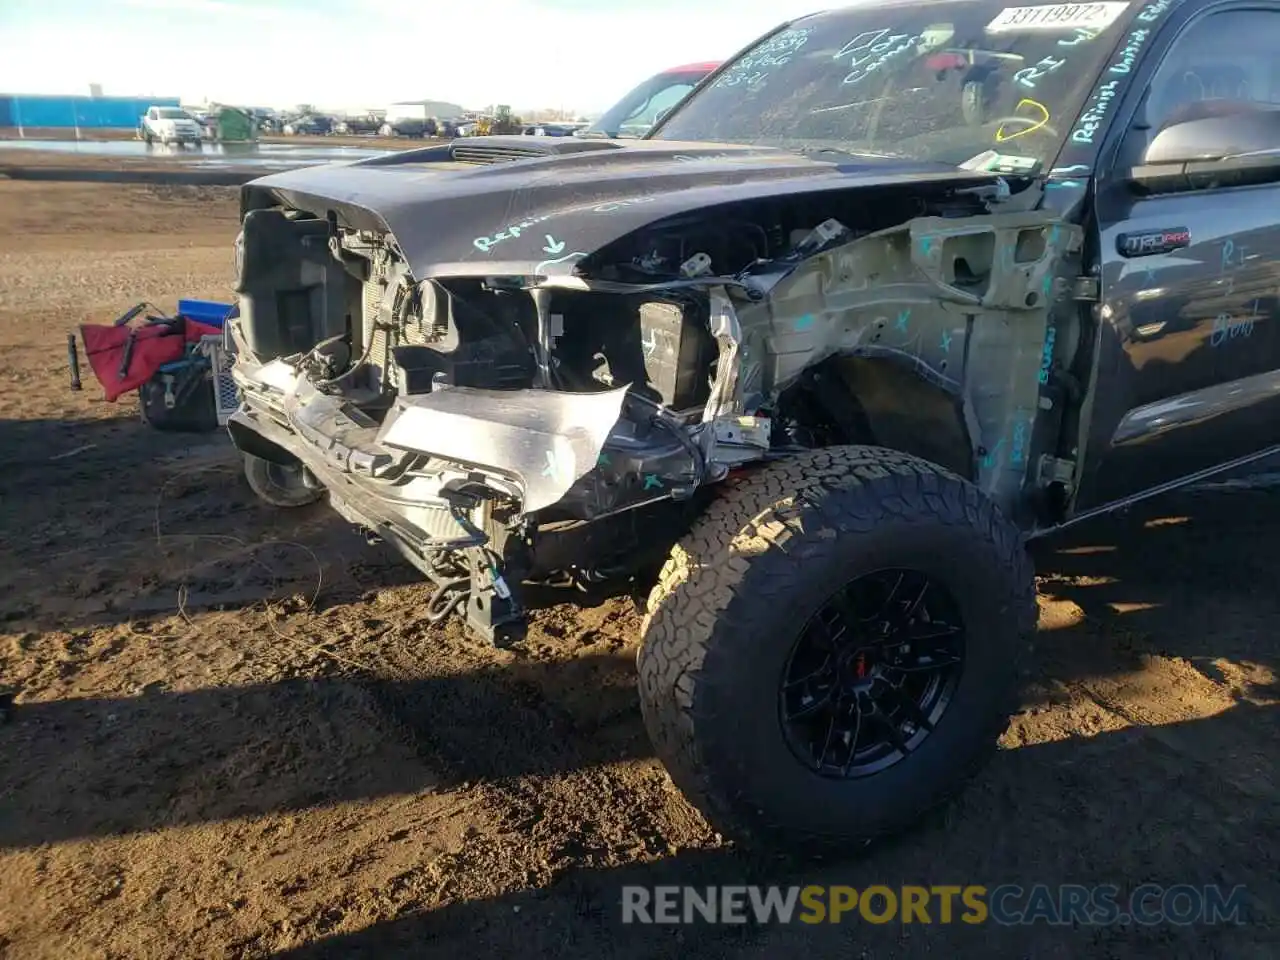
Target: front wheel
pixel 277 484
pixel 832 650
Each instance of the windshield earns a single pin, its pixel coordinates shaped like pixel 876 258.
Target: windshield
pixel 634 114
pixel 169 113
pixel 965 81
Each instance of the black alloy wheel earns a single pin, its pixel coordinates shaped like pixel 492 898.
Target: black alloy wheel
pixel 872 673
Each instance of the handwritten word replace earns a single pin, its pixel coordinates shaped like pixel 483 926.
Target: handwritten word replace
pixel 485 244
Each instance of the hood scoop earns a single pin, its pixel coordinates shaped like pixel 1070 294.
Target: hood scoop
pixel 503 149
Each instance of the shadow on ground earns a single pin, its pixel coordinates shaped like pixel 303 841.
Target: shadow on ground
pixel 1049 814
pixel 1165 613
pixel 1188 576
pixel 1182 584
pixel 91 767
pixel 108 521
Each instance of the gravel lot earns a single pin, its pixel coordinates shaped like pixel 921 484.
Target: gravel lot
pixel 235 737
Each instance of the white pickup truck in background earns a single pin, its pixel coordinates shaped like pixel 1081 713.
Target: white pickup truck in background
pixel 169 125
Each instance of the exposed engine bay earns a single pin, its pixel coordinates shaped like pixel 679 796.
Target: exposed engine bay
pixel 510 427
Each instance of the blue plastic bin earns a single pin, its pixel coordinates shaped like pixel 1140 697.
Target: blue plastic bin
pixel 205 311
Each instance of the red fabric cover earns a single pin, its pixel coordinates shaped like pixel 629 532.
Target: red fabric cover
pixel 945 61
pixel 155 344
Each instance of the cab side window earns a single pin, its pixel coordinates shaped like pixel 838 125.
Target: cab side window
pixel 1223 64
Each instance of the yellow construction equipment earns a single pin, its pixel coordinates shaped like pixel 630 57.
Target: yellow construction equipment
pixel 501 122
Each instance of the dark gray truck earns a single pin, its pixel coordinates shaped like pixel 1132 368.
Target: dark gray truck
pixel 895 289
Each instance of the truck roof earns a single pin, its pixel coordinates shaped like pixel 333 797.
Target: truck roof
pixel 704 67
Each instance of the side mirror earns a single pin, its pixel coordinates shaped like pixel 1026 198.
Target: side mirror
pixel 1236 147
pixel 1229 130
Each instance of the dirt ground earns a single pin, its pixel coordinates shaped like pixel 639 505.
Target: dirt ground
pixel 235 736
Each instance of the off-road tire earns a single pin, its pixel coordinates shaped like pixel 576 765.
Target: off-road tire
pixel 277 485
pixel 735 594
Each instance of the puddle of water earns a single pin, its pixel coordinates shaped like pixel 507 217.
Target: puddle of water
pixel 209 155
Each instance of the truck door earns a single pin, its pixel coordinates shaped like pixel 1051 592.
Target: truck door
pixel 1188 371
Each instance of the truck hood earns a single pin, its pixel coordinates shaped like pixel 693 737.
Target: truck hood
pixel 453 211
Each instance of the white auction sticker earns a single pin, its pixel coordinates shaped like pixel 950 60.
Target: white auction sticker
pixel 1057 16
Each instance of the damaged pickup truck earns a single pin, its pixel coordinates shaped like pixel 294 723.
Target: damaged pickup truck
pixel 895 288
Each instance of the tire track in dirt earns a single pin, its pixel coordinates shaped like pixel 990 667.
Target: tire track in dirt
pixel 548 735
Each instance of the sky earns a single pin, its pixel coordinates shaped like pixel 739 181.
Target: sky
pixel 362 54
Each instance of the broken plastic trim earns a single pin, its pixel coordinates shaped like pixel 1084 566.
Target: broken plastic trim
pixel 545 439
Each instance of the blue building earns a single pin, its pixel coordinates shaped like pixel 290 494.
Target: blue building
pixel 88 113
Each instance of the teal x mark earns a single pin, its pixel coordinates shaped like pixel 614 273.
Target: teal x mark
pixel 990 459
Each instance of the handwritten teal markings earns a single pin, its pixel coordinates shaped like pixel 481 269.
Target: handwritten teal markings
pixel 1028 76
pixel 1018 449
pixel 546 263
pixel 1046 354
pixel 1099 106
pixel 1083 35
pixel 485 244
pixel 1227 327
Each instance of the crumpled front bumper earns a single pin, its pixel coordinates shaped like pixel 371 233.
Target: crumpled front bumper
pixel 396 477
